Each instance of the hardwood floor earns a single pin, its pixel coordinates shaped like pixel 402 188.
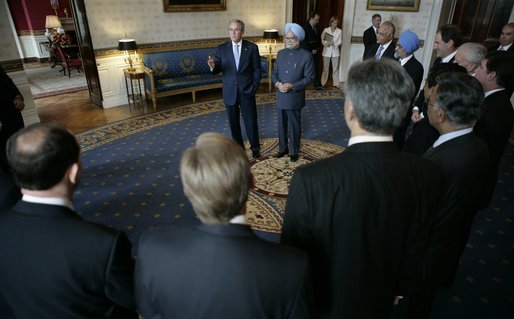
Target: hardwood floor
pixel 79 115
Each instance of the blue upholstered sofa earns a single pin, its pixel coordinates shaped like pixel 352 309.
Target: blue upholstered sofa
pixel 182 71
pixel 179 71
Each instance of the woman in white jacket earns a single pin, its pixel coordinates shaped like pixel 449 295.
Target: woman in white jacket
pixel 331 38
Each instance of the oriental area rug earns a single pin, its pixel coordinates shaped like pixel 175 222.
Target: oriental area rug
pixel 131 182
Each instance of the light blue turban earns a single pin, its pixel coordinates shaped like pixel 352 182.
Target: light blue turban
pixel 409 41
pixel 297 30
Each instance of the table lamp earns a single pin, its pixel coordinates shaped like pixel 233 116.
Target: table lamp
pixel 271 34
pixel 128 45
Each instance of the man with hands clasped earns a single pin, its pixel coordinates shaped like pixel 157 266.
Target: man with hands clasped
pixel 293 71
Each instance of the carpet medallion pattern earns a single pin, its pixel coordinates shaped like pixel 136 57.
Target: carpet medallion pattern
pixel 131 179
pixel 131 182
pixel 267 200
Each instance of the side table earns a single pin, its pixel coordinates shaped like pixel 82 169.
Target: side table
pixel 134 76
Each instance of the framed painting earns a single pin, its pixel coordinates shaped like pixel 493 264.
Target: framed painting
pixel 194 5
pixel 394 5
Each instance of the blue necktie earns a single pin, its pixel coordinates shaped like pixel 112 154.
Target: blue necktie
pixel 379 51
pixel 236 55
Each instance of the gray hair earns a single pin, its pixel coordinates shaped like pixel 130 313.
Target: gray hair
pixel 240 22
pixel 216 177
pixel 381 93
pixel 473 52
pixel 461 97
pixel 392 27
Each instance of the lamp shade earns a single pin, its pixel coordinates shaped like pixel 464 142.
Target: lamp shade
pixel 270 34
pixel 52 22
pixel 127 44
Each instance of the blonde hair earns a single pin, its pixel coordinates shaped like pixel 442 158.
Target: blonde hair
pixel 216 177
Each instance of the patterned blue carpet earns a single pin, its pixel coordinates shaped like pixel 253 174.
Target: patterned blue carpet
pixel 131 182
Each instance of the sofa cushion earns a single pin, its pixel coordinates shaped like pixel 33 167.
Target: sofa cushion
pixel 178 63
pixel 174 83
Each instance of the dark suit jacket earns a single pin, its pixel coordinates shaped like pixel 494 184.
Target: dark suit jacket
pixel 10 118
pixel 55 265
pixel 369 38
pixel 297 67
pixel 497 45
pixel 312 39
pixel 495 127
pixel 464 162
pixel 388 53
pixel 218 271
pixel 415 69
pixel 246 79
pixel 364 218
pixel 9 193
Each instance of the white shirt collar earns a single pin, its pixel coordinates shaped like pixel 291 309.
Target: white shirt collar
pixel 48 200
pixel 239 219
pixel 404 60
pixel 240 43
pixel 493 91
pixel 449 57
pixel 450 136
pixel 504 47
pixel 367 138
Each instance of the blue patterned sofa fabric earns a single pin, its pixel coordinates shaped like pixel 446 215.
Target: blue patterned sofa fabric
pixel 182 71
pixel 180 82
pixel 179 71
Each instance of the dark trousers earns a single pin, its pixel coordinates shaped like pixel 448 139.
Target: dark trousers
pixel 247 108
pixel 289 121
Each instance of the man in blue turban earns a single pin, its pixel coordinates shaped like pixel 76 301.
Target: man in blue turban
pixel 292 73
pixel 407 44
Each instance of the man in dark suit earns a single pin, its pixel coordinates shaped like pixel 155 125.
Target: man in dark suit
pixel 240 63
pixel 421 135
pixel 52 263
pixel 364 215
pixel 11 120
pixel 292 72
pixel 506 39
pixel 496 74
pixel 407 44
pixel 369 37
pixel 312 43
pixel 454 106
pixel 384 47
pixel 219 269
pixel 470 56
pixel 447 40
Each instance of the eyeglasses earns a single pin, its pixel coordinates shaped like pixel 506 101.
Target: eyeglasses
pixel 383 33
pixel 506 33
pixel 291 38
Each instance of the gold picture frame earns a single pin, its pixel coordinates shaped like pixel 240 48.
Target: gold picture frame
pixel 394 5
pixel 194 5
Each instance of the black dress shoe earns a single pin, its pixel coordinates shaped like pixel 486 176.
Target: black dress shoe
pixel 256 154
pixel 294 158
pixel 281 154
pixel 320 88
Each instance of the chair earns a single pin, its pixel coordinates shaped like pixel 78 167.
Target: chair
pixel 67 62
